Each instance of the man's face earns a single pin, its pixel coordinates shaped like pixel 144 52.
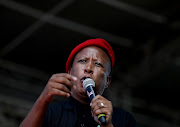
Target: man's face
pixel 90 62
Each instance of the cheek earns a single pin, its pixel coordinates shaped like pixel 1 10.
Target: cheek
pixel 75 70
pixel 100 73
pixel 101 81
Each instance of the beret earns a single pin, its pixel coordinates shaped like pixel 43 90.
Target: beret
pixel 91 42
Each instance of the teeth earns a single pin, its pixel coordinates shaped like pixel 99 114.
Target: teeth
pixel 82 80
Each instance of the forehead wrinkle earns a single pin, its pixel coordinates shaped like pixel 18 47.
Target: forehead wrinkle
pixel 94 53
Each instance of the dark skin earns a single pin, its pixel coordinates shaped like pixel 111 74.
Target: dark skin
pixel 94 63
pixel 90 62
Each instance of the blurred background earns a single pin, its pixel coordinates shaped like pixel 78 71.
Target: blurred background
pixel 36 37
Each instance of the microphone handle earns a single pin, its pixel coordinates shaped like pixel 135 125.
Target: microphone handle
pixel 91 95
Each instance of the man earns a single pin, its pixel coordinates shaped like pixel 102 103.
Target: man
pixel 93 59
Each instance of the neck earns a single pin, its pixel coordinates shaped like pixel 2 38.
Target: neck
pixel 83 100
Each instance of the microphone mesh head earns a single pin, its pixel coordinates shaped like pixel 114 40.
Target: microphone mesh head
pixel 88 82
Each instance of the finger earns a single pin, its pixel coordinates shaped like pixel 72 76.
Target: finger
pixel 107 109
pixel 68 76
pixel 103 111
pixel 97 101
pixel 98 110
pixel 61 87
pixel 97 98
pixel 60 93
pixel 62 80
pixel 97 106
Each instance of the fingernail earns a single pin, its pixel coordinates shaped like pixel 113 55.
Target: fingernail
pixel 90 104
pixel 74 78
pixel 68 95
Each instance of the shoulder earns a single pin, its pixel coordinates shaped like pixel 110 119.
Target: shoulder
pixel 123 118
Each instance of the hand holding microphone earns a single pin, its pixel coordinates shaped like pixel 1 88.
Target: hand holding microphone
pixel 101 107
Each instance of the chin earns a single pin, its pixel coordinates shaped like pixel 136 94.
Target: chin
pixel 84 99
pixel 84 95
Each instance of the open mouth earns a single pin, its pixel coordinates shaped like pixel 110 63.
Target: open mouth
pixel 84 79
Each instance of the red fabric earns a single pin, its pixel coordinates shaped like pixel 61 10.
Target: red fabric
pixel 92 42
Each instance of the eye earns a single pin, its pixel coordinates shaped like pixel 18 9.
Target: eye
pixel 82 61
pixel 98 64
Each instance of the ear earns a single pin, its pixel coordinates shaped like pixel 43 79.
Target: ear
pixel 108 81
pixel 69 70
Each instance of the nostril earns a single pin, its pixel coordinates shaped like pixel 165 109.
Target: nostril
pixel 85 70
pixel 88 71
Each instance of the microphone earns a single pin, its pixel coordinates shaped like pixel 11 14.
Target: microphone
pixel 88 83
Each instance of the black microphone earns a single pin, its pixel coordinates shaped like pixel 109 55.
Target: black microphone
pixel 88 83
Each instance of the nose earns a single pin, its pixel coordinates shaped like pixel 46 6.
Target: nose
pixel 89 68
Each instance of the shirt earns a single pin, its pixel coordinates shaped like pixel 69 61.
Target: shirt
pixel 72 113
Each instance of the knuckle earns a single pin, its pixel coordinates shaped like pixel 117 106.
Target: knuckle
pixel 49 85
pixel 53 76
pixel 110 102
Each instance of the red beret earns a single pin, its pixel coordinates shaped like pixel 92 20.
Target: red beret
pixel 92 42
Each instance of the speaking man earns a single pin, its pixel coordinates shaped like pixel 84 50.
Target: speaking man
pixel 91 60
